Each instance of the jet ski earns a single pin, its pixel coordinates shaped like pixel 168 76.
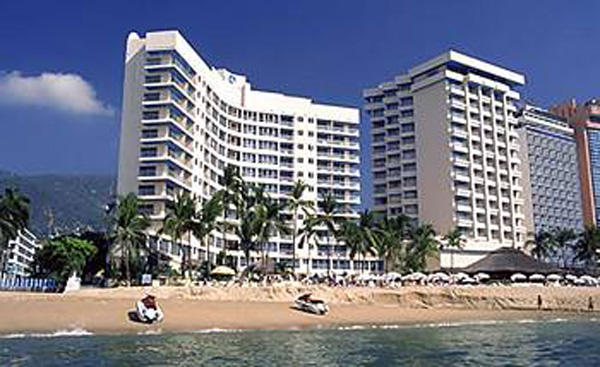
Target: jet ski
pixel 148 311
pixel 307 304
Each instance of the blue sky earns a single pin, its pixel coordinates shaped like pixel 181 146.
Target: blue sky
pixel 328 50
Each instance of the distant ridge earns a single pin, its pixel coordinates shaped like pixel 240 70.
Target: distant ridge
pixel 62 203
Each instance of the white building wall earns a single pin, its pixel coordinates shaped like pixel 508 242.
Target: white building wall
pixel 220 120
pixel 21 254
pixel 468 164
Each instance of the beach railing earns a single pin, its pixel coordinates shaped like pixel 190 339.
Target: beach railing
pixel 28 284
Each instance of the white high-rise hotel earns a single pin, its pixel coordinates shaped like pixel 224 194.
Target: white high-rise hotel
pixel 445 150
pixel 184 121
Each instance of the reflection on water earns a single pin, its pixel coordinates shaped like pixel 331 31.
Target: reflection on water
pixel 573 343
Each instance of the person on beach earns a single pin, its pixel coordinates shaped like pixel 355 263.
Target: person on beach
pixel 150 302
pixel 590 304
pixel 539 301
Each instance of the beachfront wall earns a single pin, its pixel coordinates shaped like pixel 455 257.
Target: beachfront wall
pixel 184 121
pixel 445 150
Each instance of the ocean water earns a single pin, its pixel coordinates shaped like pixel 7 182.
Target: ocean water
pixel 573 342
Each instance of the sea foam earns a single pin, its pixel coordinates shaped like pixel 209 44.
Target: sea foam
pixel 55 334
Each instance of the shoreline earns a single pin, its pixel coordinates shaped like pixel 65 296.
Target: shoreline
pixel 202 309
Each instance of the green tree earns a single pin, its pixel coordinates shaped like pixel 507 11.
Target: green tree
pixel 392 233
pixel 296 203
pixel 61 257
pixel 14 217
pixel 422 244
pixel 541 244
pixel 349 233
pixel 454 239
pixel 328 210
pixel 230 195
pixel 204 222
pixel 248 227
pixel 564 239
pixel 587 247
pixel 269 222
pixel 128 231
pixel 179 222
pixel 307 235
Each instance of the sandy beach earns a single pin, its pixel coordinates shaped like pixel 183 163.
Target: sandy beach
pixel 201 308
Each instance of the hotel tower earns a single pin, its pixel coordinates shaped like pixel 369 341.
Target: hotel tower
pixel 184 121
pixel 445 150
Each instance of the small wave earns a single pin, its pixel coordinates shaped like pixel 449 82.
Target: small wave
pixel 215 330
pixel 452 324
pixel 355 327
pixel 150 332
pixel 58 333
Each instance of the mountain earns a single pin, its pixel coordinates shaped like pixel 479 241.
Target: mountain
pixel 63 203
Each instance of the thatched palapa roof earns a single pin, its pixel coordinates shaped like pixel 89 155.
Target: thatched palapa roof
pixel 509 260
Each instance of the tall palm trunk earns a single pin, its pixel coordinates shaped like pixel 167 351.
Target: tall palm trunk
pixel 125 256
pixel 224 233
pixel 328 256
pixel 309 264
pixel 189 248
pixel 294 243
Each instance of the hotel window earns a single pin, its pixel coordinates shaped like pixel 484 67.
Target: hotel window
pixel 149 133
pixel 147 209
pixel 147 171
pixel 146 190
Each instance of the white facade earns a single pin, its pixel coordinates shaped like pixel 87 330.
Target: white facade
pixel 445 150
pixel 184 121
pixel 21 252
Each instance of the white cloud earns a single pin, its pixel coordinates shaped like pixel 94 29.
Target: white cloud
pixel 64 92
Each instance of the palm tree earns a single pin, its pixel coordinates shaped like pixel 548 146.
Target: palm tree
pixel 14 216
pixel 454 240
pixel 542 244
pixel 307 233
pixel 587 247
pixel 269 222
pixel 367 232
pixel 204 222
pixel 178 222
pixel 327 217
pixel 563 238
pixel 391 237
pixel 295 204
pixel 229 195
pixel 247 232
pixel 349 233
pixel 422 244
pixel 128 230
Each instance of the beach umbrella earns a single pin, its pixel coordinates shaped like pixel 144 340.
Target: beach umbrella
pixel 518 277
pixel 392 276
pixel 481 277
pixel 468 280
pixel 441 276
pixel 571 277
pixel 223 270
pixel 554 277
pixel 415 276
pixel 579 281
pixel 589 279
pixel 537 278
